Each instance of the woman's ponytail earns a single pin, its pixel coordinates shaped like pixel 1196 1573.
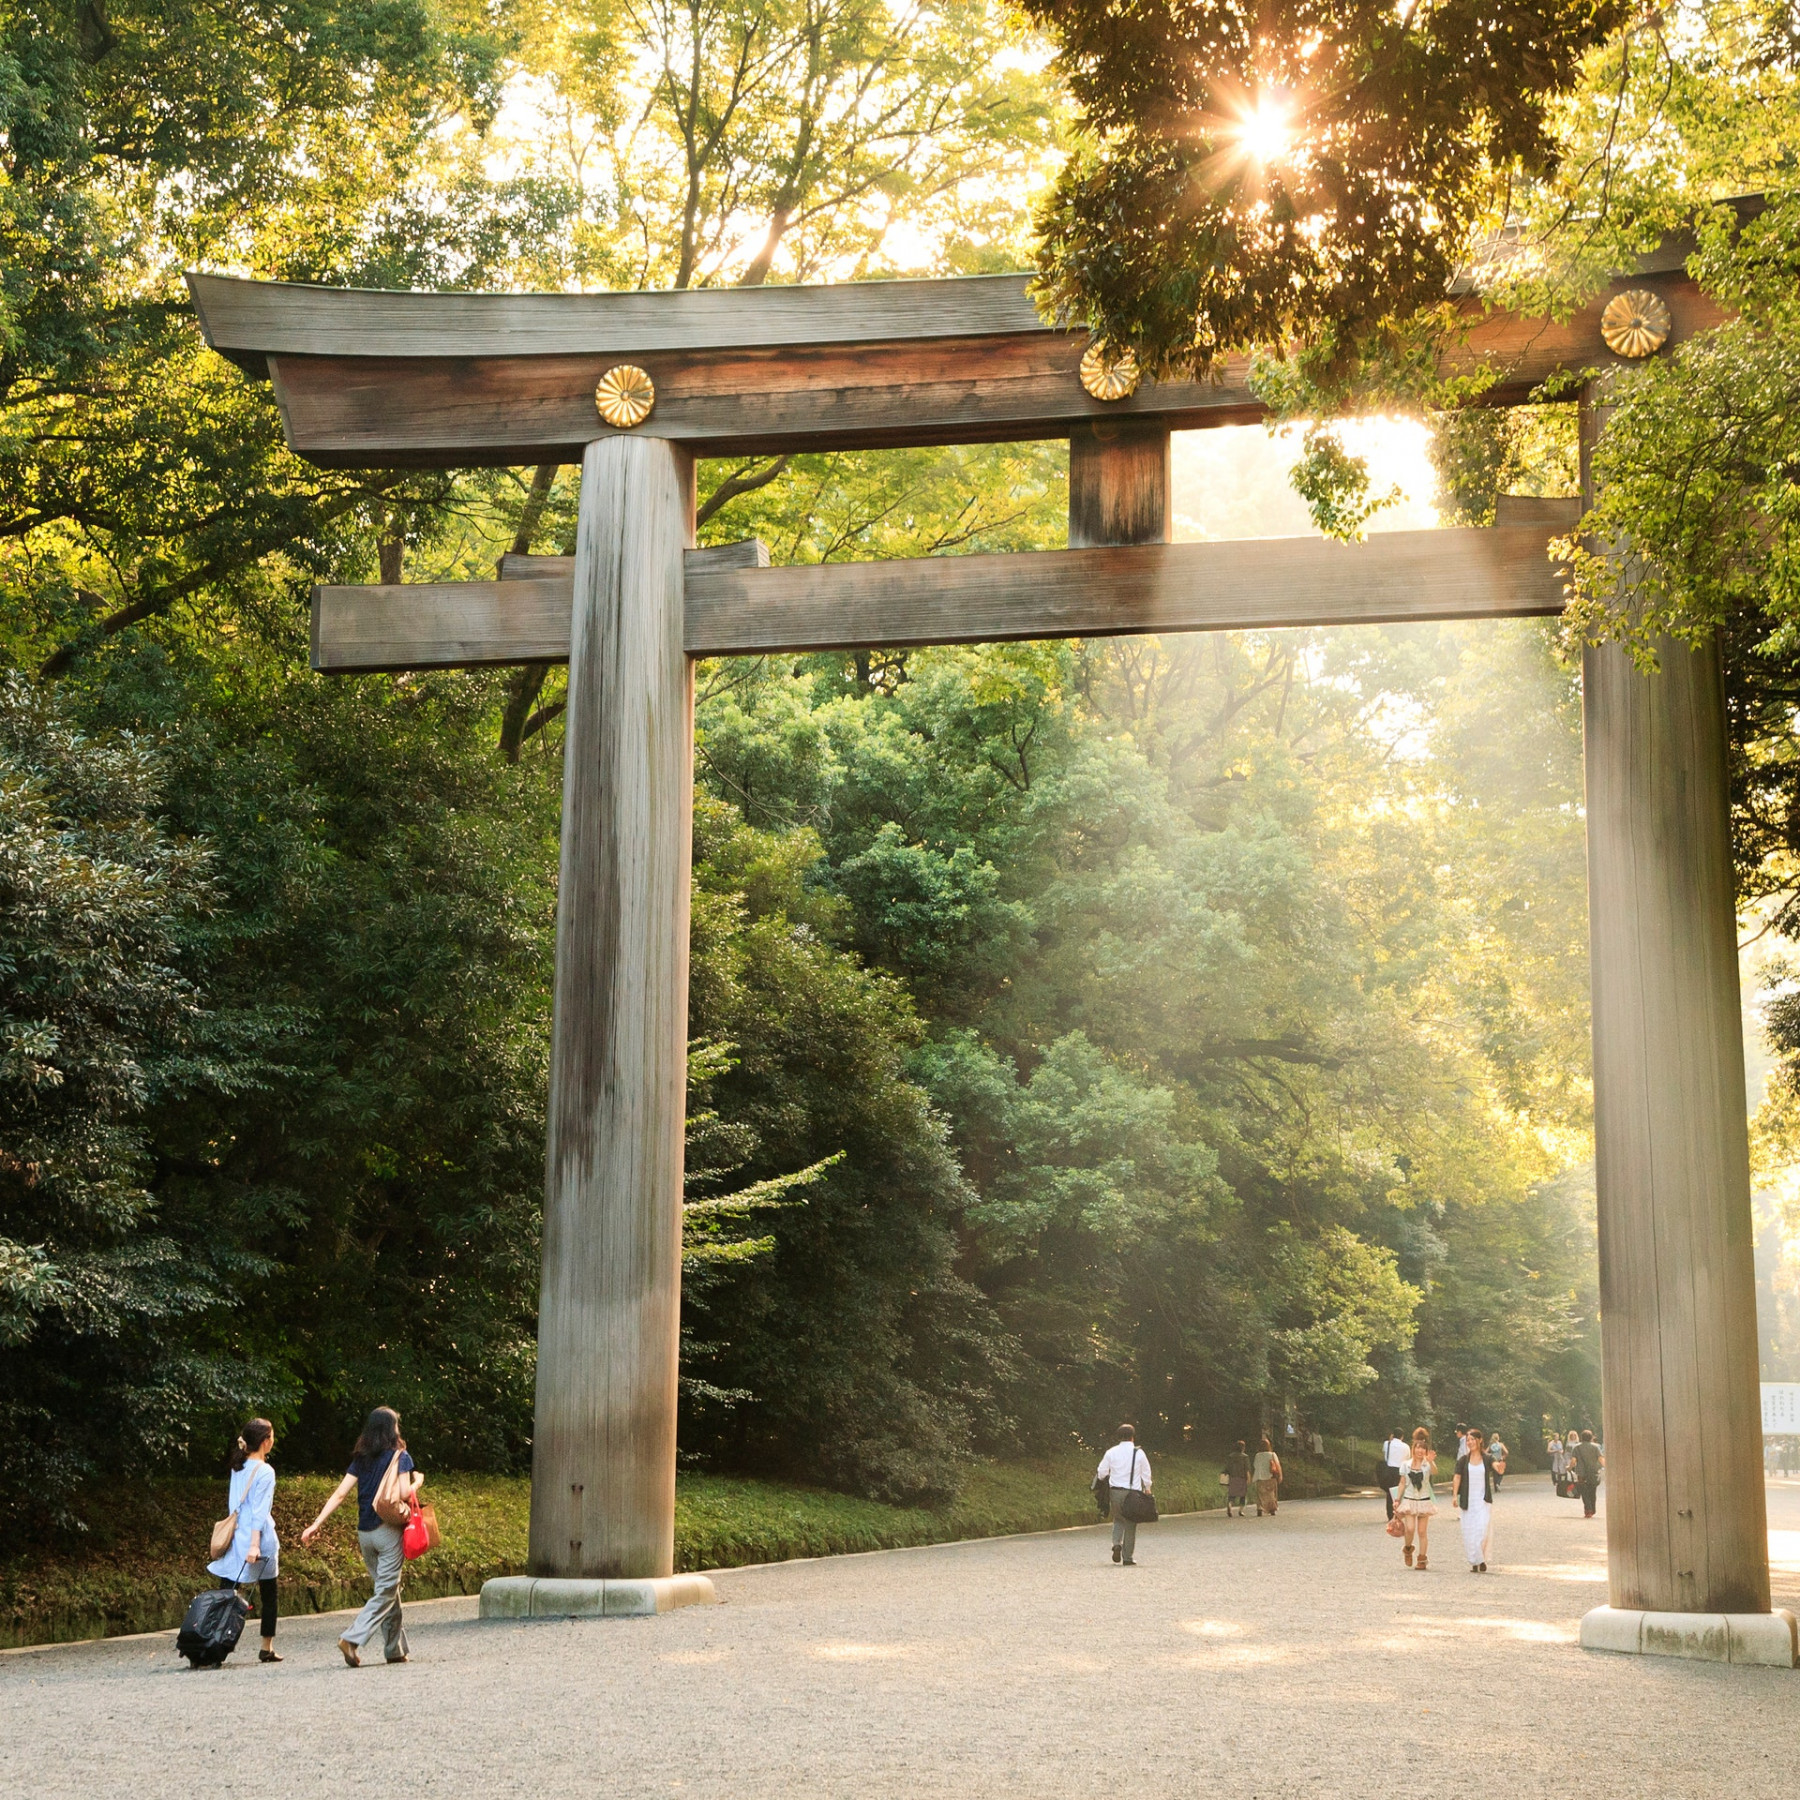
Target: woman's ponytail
pixel 255 1434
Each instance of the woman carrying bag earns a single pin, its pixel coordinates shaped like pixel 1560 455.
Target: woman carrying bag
pixel 1418 1498
pixel 252 1553
pixel 386 1485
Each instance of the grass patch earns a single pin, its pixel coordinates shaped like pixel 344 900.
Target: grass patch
pixel 144 1559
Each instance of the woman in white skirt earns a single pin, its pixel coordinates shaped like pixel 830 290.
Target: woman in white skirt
pixel 1416 1501
pixel 1473 1486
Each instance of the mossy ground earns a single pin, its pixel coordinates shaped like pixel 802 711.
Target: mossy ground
pixel 143 1557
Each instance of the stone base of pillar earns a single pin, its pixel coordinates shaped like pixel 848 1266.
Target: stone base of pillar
pixel 1769 1639
pixel 550 1597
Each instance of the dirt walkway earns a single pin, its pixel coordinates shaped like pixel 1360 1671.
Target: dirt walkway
pixel 1256 1659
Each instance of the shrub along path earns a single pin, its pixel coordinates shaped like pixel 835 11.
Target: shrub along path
pixel 144 1556
pixel 1265 1659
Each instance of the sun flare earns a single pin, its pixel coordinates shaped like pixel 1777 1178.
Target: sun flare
pixel 1266 131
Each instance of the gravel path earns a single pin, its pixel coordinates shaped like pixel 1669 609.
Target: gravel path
pixel 1256 1658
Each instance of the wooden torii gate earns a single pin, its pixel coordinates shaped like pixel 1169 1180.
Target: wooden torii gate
pixel 399 379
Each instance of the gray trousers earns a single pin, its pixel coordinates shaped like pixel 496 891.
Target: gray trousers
pixel 381 1612
pixel 1124 1529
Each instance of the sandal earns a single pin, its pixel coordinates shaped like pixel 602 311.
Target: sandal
pixel 350 1655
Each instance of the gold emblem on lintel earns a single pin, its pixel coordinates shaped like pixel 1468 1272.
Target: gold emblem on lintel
pixel 625 396
pixel 1108 377
pixel 1635 323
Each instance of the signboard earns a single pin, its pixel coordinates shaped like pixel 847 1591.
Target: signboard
pixel 1781 1407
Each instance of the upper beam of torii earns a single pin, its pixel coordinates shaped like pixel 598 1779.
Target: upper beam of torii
pixel 401 379
pixel 455 380
pixel 636 386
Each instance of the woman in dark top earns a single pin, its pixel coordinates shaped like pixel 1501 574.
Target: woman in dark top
pixel 1237 1480
pixel 379 1446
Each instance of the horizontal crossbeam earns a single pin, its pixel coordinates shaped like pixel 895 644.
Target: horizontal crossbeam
pixel 369 379
pixel 735 608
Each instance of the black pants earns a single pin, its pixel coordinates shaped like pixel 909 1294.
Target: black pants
pixel 1389 1488
pixel 1589 1489
pixel 270 1612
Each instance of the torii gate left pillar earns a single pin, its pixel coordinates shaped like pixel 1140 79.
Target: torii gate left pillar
pixel 603 1452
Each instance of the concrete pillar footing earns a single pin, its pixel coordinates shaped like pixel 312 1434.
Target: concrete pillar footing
pixel 552 1597
pixel 1769 1639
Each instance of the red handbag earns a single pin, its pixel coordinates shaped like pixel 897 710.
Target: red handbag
pixel 420 1533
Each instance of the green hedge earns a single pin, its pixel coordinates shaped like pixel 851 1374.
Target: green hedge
pixel 144 1559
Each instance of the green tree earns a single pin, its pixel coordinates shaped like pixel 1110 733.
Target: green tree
pixel 1305 176
pixel 109 1292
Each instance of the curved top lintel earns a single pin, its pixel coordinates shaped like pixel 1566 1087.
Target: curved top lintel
pixel 250 320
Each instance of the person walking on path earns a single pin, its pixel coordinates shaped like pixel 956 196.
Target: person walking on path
pixel 1559 1465
pixel 1267 1473
pixel 1125 1467
pixel 379 1447
pixel 1473 1486
pixel 1588 1464
pixel 255 1551
pixel 1393 1453
pixel 1237 1480
pixel 1418 1498
pixel 1495 1451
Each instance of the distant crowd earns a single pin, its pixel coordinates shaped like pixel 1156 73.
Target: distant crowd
pixel 1408 1473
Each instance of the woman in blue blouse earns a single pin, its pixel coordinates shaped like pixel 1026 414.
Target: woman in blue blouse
pixel 383 1556
pixel 255 1553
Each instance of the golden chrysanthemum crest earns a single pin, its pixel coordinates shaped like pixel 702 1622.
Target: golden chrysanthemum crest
pixel 1635 323
pixel 1108 376
pixel 625 396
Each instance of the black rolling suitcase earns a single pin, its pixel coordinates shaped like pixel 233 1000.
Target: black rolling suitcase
pixel 214 1623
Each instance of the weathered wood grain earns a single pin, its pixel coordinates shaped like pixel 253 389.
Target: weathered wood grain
pixel 603 1448
pixel 441 625
pixel 1685 1516
pixel 342 411
pixel 1119 473
pixel 1258 583
pixel 497 405
pixel 248 320
pixel 746 553
pixel 743 608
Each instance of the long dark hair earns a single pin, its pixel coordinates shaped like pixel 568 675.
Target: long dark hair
pixel 380 1438
pixel 255 1434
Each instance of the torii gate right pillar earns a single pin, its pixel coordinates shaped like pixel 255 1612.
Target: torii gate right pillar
pixel 1686 1531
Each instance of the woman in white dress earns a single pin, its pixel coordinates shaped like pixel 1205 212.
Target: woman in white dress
pixel 1473 1487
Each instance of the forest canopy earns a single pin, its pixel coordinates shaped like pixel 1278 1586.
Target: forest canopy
pixel 1192 1029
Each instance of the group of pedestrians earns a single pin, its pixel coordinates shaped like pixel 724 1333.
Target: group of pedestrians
pixel 1241 1469
pixel 254 1554
pixel 1410 1476
pixel 1575 1465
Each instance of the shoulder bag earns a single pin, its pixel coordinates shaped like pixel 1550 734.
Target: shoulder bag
pixel 1137 1506
pixel 226 1529
pixel 390 1509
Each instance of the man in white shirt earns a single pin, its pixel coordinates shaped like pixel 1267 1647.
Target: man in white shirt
pixel 1124 1467
pixel 1393 1453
